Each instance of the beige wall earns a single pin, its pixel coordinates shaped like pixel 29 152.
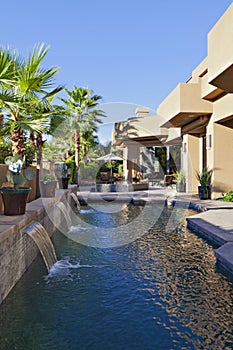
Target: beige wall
pixel 222 180
pixel 199 71
pixel 183 104
pixel 222 108
pixel 208 91
pixel 220 48
pixel 191 161
pixel 132 153
pixel 138 127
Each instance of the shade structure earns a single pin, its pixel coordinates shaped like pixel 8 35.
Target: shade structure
pixel 111 157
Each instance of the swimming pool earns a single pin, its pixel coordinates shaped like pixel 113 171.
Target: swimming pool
pixel 160 291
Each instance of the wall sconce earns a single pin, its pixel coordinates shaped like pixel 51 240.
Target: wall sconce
pixel 184 147
pixel 208 141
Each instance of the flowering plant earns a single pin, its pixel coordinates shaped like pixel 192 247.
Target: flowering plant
pixel 14 176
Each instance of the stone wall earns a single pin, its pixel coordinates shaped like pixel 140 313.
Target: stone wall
pixel 17 249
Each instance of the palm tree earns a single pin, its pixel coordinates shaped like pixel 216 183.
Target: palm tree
pixel 24 99
pixel 82 109
pixel 88 140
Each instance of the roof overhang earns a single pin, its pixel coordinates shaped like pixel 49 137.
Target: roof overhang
pixel 145 130
pixel 184 105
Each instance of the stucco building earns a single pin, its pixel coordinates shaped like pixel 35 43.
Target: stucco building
pixel 197 116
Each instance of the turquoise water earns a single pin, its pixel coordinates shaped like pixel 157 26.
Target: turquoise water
pixel 161 291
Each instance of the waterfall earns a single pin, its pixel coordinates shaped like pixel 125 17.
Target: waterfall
pixel 75 198
pixel 63 209
pixel 40 236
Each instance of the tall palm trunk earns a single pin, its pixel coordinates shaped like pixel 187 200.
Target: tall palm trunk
pixel 77 143
pixel 39 144
pixel 85 154
pixel 32 138
pixel 18 142
pixel 1 120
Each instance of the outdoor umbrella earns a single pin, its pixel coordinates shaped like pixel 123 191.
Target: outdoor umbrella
pixel 111 157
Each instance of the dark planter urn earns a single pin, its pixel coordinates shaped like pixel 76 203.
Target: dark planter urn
pixel 47 188
pixel 180 187
pixel 15 200
pixel 64 182
pixel 204 192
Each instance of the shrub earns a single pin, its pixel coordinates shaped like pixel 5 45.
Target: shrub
pixel 5 150
pixel 70 162
pixel 227 198
pixel 204 176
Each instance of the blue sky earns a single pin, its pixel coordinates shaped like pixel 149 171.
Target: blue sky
pixel 128 51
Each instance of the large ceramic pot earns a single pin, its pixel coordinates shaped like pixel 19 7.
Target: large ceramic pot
pixel 47 188
pixel 15 200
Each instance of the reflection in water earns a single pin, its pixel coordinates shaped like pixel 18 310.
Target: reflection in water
pixel 180 268
pixel 113 224
pixel 159 292
pixel 110 215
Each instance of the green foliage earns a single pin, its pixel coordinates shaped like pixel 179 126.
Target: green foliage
pixel 5 150
pixel 14 175
pixel 49 178
pixel 89 171
pixel 179 176
pixel 105 167
pixel 204 176
pixel 120 169
pixel 24 99
pixel 70 162
pixel 17 180
pixel 227 198
pixel 160 154
pixel 29 154
pixel 29 174
pixel 84 116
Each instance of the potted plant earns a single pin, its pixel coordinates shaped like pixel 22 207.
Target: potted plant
pixel 48 186
pixel 179 177
pixel 203 178
pixel 15 196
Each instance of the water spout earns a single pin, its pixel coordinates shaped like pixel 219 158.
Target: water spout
pixel 75 199
pixel 40 236
pixel 64 210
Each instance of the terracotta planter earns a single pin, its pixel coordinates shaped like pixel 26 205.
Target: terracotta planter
pixel 47 188
pixel 14 200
